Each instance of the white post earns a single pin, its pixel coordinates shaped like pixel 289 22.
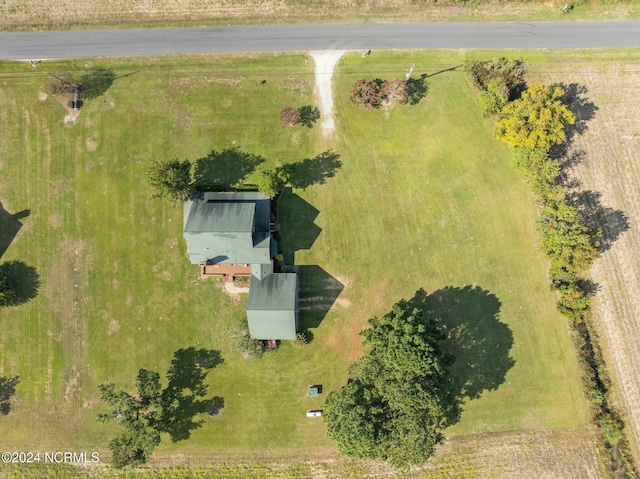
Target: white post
pixel 410 71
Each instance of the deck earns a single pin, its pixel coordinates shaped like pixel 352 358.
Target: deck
pixel 227 271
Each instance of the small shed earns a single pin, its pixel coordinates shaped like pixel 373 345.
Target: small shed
pixel 272 307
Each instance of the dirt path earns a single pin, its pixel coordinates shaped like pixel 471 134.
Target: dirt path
pixel 610 165
pixel 325 62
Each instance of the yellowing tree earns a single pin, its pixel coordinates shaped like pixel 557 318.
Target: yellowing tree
pixel 536 120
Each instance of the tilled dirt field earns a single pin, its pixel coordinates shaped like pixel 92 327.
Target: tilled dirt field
pixel 606 164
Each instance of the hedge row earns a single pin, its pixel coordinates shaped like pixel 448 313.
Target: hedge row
pixel 568 242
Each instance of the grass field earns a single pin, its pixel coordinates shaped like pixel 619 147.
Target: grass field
pixel 424 197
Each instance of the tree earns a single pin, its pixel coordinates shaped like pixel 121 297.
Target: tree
pixel 272 181
pixel 354 416
pixel 400 395
pixel 536 120
pixel 7 292
pixel 289 117
pixel 153 410
pixel 7 390
pixel 171 179
pixel 134 446
pixel 139 414
pixel 571 246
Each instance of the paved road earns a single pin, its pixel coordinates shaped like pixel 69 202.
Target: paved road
pixel 263 38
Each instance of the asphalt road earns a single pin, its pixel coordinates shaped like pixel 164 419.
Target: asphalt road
pixel 268 38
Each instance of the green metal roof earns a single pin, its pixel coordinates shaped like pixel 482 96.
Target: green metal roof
pixel 220 217
pixel 228 227
pixel 272 306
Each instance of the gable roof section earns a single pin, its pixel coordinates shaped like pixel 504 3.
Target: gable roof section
pixel 228 227
pixel 272 307
pixel 220 217
pixel 276 292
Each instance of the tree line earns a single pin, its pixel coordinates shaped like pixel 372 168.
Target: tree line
pixel 532 121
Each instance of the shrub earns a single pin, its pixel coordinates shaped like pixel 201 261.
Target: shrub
pixel 508 72
pixel 573 302
pixel 395 92
pixel 611 426
pixel 289 117
pixel 301 339
pixel 244 344
pixel 571 246
pixel 367 93
pixel 495 97
pixel 541 172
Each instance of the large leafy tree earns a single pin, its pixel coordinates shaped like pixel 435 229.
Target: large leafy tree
pixel 139 414
pixel 153 410
pixel 536 120
pixel 400 396
pixel 171 179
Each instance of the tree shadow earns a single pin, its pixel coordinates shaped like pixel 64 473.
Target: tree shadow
pixel 318 291
pixel 225 168
pixel 180 400
pixel 417 88
pixel 297 228
pixel 309 114
pixel 96 83
pixel 575 98
pixel 610 221
pixel 9 227
pixel 480 342
pixel 7 390
pixel 24 279
pixel 314 171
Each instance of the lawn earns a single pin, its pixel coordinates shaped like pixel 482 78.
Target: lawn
pixel 416 197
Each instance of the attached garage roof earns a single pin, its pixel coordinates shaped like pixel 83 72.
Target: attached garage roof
pixel 276 292
pixel 272 308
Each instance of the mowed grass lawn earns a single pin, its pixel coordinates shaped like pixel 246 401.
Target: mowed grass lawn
pixel 424 198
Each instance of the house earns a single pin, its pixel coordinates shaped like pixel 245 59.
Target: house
pixel 229 228
pixel 231 232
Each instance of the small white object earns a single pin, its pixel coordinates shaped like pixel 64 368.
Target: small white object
pixel 314 413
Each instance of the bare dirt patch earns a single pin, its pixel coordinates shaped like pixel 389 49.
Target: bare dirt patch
pixel 114 327
pixel 194 83
pixel 55 221
pixel 91 144
pixel 608 154
pixel 67 289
